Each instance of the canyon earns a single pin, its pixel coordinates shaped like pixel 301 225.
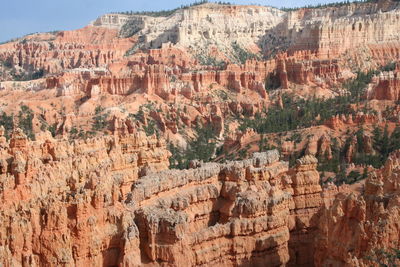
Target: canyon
pixel 211 134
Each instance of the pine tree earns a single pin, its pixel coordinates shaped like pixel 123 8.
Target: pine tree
pixel 385 143
pixel 395 139
pixel 360 140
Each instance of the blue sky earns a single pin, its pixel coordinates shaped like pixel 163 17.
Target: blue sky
pixel 20 17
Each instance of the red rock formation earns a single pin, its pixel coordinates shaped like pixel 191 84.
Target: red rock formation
pixel 84 48
pixel 62 203
pixel 385 87
pixel 356 227
pixel 298 70
pixel 305 205
pixel 324 147
pixel 337 122
pixel 218 214
pixel 84 213
pixel 171 56
pixel 110 201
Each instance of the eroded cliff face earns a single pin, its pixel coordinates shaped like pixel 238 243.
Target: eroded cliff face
pixel 89 47
pixel 199 26
pixel 109 201
pixel 62 203
pixel 324 31
pixel 69 200
pixel 386 86
pixel 112 202
pixel 206 59
pixel 355 229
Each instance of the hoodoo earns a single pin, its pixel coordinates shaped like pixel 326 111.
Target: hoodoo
pixel 210 134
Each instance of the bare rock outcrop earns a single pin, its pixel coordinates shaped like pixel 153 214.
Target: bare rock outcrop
pixel 62 202
pixel 355 228
pixel 86 203
pixel 386 86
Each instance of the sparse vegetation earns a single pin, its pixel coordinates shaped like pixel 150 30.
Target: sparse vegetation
pixel 207 60
pixel 151 128
pixel 302 113
pixel 7 122
pixel 28 75
pixel 22 75
pixel 49 127
pixel 167 13
pixel 130 28
pixel 357 86
pixel 133 49
pixel 382 142
pixel 201 148
pixel 100 119
pixel 391 66
pixel 297 114
pixel 52 129
pixel 241 55
pixel 336 4
pixel 7 64
pixel 272 82
pixel 25 117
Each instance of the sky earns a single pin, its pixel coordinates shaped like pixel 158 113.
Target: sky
pixel 21 17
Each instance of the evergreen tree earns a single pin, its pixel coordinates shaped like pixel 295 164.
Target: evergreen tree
pixel 7 122
pixel 384 149
pixel 25 117
pixel 395 140
pixel 360 140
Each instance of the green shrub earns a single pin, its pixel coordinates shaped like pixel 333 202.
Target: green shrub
pixel 202 148
pixel 272 82
pixel 27 75
pixel 207 60
pixel 8 123
pixel 130 28
pixel 167 13
pixel 100 119
pixel 25 117
pixel 241 55
pixel 336 4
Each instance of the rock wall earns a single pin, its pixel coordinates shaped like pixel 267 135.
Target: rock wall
pixel 354 229
pixel 89 47
pixel 324 30
pixel 109 201
pixel 337 122
pixel 303 71
pixel 62 203
pixel 205 24
pixel 386 86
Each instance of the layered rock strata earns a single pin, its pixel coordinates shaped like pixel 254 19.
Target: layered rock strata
pixel 108 202
pixel 386 86
pixel 62 203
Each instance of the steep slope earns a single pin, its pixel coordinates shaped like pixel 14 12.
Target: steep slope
pixel 88 203
pixel 357 230
pixel 93 121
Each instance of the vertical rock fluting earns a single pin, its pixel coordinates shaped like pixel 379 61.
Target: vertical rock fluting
pixel 322 31
pixel 61 203
pixel 86 203
pixel 239 213
pixel 356 228
pixel 386 86
pixel 306 203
